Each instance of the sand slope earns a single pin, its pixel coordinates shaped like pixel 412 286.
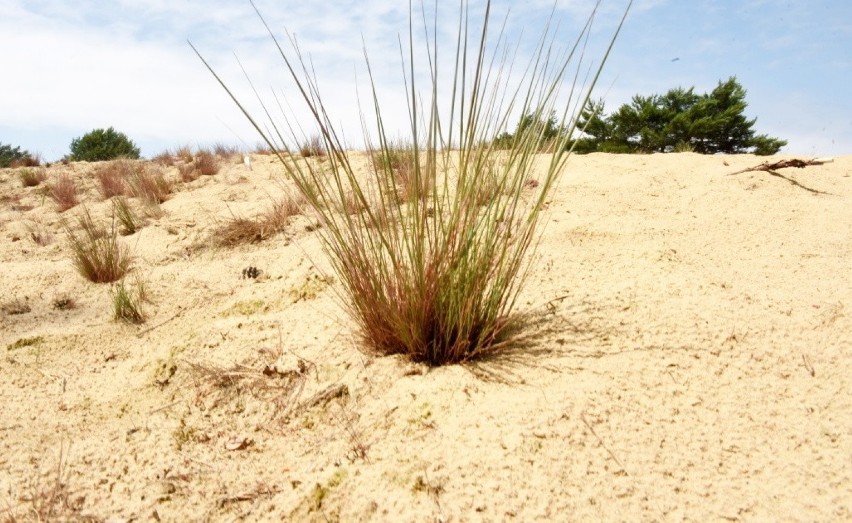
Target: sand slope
pixel 692 359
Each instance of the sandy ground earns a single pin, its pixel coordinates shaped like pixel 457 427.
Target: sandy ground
pixel 692 361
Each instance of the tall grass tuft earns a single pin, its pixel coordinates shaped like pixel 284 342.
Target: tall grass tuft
pixel 127 301
pixel 64 193
pixel 435 275
pixel 95 250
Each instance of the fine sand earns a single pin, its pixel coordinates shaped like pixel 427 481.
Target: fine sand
pixel 691 359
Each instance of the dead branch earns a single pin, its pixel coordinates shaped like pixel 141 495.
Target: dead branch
pixel 782 164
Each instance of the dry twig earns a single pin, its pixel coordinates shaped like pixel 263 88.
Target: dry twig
pixel 782 164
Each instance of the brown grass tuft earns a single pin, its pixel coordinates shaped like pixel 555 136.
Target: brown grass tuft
pixel 150 184
pixel 95 251
pixel 111 177
pixel 64 193
pixel 313 146
pixel 206 163
pixel 33 177
pixel 240 231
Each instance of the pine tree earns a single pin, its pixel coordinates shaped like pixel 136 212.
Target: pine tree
pixel 676 121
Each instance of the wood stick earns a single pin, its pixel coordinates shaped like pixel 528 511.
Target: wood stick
pixel 781 164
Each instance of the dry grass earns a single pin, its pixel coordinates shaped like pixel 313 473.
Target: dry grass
pixel 64 193
pixel 30 160
pixel 111 177
pixel 39 235
pixel 150 184
pixel 226 151
pixel 127 218
pixel 32 177
pixel 240 231
pixel 15 306
pixel 165 159
pixel 313 146
pixel 49 498
pixel 206 163
pixel 95 251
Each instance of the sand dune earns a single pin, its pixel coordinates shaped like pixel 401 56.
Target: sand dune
pixel 692 359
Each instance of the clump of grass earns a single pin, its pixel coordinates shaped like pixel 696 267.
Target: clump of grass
pixel 226 151
pixel 127 218
pixel 436 275
pixel 112 177
pixel 32 177
pixel 184 153
pixel 188 172
pixel 95 251
pixel 64 193
pixel 164 158
pixel 127 301
pixel 64 302
pixel 150 184
pixel 313 146
pixel 206 163
pixel 241 231
pixel 16 306
pixel 30 160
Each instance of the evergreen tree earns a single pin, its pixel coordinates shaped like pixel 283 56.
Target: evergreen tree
pixel 678 120
pixel 103 144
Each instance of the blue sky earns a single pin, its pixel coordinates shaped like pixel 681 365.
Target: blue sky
pixel 70 67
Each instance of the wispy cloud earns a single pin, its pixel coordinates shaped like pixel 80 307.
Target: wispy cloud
pixel 78 65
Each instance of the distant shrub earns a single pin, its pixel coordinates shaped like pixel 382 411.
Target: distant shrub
pixel 15 157
pixel 101 145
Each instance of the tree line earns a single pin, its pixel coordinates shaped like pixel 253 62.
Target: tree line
pixel 678 121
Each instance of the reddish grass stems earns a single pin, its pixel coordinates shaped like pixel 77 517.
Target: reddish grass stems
pixel 64 193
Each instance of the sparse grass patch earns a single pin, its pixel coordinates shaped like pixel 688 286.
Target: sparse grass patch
pixel 263 149
pixel 64 302
pixel 226 151
pixel 206 163
pixel 32 177
pixel 64 193
pixel 111 177
pixel 188 172
pixel 150 184
pixel 95 251
pixel 25 342
pixel 241 231
pixel 313 146
pixel 127 218
pixel 48 497
pixel 15 306
pixel 184 153
pixel 39 235
pixel 165 159
pixel 127 301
